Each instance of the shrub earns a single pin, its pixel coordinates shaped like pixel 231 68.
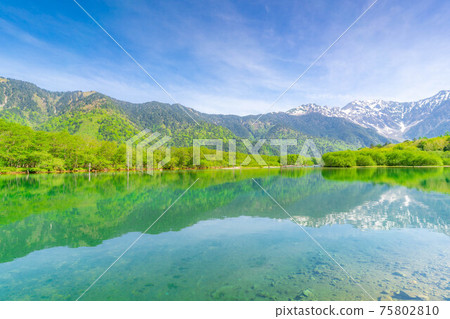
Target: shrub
pixel 447 147
pixel 434 144
pixel 425 159
pixel 397 158
pixel 364 160
pixel 412 158
pixel 379 157
pixel 340 159
pixel 390 157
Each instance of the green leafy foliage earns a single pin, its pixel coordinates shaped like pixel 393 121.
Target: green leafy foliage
pixel 422 152
pixel 364 160
pixel 340 159
pixel 99 124
pixel 26 150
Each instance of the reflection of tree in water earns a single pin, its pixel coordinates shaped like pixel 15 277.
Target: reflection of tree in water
pixel 436 179
pixel 69 210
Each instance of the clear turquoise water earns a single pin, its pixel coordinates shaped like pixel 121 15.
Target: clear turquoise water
pixel 226 239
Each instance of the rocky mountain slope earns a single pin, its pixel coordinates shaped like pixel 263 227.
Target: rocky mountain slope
pixel 396 120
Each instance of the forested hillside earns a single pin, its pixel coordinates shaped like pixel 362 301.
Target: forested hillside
pixel 97 116
pixel 330 132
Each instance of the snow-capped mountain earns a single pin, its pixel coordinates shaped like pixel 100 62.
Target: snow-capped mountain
pixel 397 120
pixel 313 108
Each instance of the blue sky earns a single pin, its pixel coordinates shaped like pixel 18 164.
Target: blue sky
pixel 230 56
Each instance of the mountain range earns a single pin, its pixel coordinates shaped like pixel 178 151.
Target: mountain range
pixel 429 117
pixel 102 117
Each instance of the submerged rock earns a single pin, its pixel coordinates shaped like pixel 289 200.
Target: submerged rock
pixel 319 270
pixel 384 298
pixel 307 293
pixel 402 295
pixel 423 297
pixel 399 274
pixel 418 273
pixel 304 295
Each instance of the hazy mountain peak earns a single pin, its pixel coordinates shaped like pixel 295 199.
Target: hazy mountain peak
pixel 373 104
pixel 309 108
pixel 436 99
pixel 444 93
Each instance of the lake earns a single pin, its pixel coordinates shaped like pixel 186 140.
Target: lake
pixel 225 238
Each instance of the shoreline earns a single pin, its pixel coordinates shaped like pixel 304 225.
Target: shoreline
pixel 210 168
pixel 155 170
pixel 385 166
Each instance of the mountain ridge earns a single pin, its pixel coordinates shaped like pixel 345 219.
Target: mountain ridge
pixel 396 120
pixel 105 118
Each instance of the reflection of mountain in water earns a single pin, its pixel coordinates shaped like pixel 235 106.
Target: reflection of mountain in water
pixel 395 208
pixel 45 211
